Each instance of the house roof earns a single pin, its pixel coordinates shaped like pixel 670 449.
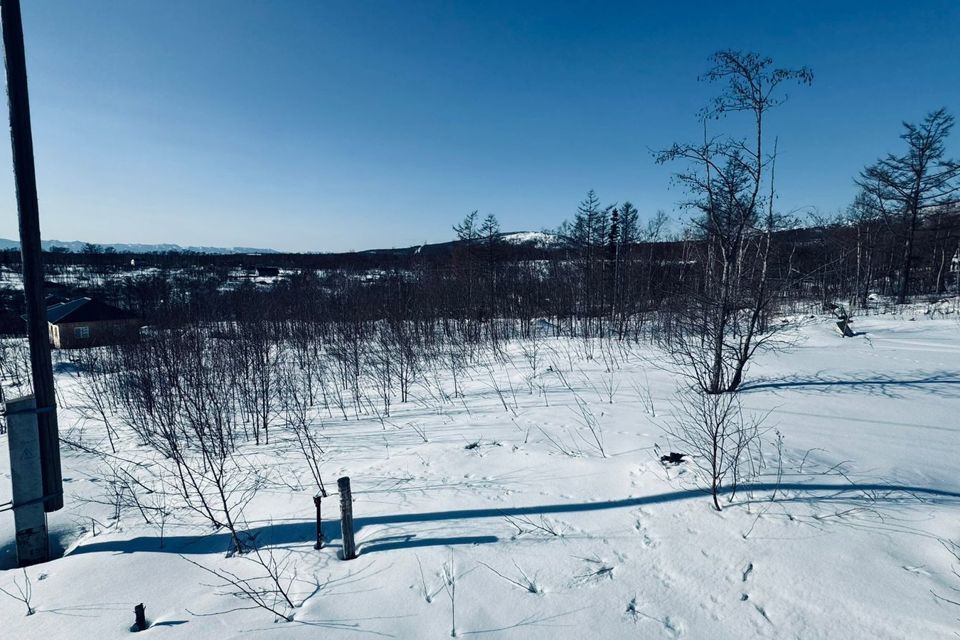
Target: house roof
pixel 86 310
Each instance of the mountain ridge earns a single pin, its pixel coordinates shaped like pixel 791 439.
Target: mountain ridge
pixel 77 246
pixel 538 239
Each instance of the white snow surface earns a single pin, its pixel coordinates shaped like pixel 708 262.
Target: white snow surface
pixel 847 544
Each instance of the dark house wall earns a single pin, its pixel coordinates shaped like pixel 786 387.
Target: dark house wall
pixel 64 335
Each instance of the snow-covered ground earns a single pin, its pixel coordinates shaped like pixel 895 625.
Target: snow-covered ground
pixel 541 239
pixel 500 518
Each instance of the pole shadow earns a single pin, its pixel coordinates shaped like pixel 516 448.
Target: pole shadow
pixel 304 531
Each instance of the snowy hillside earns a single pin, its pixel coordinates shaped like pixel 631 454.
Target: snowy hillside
pixel 536 506
pixel 539 239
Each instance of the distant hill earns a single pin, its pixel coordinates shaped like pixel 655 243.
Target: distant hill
pixel 76 246
pixel 516 241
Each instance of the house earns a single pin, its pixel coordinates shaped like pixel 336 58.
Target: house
pixel 268 272
pixel 86 322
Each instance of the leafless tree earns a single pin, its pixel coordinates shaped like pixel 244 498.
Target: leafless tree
pixel 719 325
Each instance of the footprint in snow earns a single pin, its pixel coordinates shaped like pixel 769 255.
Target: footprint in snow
pixel 645 539
pixel 763 612
pixel 675 628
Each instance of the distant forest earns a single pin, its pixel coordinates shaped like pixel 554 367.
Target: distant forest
pixel 617 275
pixel 607 270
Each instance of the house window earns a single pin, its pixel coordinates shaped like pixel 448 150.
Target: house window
pixel 81 332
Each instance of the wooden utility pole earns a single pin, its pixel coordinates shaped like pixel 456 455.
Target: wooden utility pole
pixel 346 518
pixel 21 138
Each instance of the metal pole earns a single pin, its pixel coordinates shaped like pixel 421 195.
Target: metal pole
pixel 319 543
pixel 21 138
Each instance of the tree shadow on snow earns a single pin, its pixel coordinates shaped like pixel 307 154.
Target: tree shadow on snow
pixel 941 383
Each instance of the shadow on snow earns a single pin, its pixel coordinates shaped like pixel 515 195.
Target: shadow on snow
pixel 938 383
pixel 279 533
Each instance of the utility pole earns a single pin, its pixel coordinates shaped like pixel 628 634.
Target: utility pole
pixel 21 138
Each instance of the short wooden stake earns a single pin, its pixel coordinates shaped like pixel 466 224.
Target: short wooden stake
pixel 319 543
pixel 141 613
pixel 346 518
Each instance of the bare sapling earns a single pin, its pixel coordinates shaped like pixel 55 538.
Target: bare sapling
pixel 645 397
pixel 449 576
pixel 953 548
pixel 591 423
pixel 95 393
pixel 271 589
pixel 297 415
pixel 716 435
pixel 24 592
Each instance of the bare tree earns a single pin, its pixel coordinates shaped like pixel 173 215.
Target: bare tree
pixel 725 177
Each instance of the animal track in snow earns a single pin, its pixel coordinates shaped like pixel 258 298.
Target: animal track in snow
pixel 675 628
pixel 645 538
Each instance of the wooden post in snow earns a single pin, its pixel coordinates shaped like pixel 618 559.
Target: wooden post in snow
pixel 346 518
pixel 141 614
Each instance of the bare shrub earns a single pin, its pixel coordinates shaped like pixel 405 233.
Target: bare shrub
pixel 953 548
pixel 24 592
pixel 271 588
pixel 718 437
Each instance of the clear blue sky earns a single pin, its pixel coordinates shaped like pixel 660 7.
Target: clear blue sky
pixel 319 126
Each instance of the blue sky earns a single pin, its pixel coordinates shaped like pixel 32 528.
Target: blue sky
pixel 321 126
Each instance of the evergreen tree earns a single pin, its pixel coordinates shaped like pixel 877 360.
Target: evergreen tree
pixel 586 222
pixel 915 183
pixel 629 230
pixel 490 229
pixel 613 242
pixel 467 230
